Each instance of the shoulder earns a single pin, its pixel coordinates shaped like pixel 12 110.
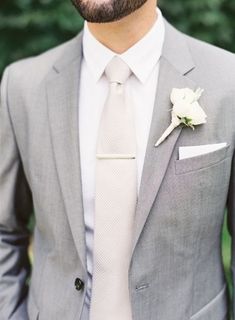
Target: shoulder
pixel 210 56
pixel 33 70
pixel 207 61
pixel 213 68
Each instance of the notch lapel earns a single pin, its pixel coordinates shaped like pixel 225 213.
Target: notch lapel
pixel 63 92
pixel 175 62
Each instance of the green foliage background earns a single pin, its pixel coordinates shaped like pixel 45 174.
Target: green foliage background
pixel 29 27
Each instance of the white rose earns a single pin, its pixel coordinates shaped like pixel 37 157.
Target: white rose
pixel 186 110
pixel 187 95
pixel 185 105
pixel 191 111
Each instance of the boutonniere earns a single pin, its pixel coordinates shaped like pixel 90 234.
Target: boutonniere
pixel 186 110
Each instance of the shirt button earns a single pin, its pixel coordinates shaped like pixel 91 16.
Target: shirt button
pixel 79 284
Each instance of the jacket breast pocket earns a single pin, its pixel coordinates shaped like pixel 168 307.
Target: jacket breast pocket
pixel 216 309
pixel 202 161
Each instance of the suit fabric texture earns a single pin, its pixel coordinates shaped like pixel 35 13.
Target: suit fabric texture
pixel 176 270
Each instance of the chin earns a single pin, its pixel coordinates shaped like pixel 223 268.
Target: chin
pixel 96 3
pixel 102 11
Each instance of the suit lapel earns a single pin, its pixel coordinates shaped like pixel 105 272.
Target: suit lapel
pixel 63 92
pixel 174 64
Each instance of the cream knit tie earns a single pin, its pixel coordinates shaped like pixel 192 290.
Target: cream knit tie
pixel 116 195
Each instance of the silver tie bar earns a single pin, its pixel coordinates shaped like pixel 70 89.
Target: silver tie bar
pixel 114 156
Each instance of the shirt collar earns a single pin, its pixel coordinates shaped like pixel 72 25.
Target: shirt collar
pixel 141 57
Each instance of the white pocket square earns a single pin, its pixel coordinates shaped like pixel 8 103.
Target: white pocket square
pixel 193 151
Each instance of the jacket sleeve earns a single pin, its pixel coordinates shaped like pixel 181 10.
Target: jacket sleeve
pixel 15 210
pixel 231 227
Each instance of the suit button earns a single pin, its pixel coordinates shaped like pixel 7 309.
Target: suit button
pixel 79 284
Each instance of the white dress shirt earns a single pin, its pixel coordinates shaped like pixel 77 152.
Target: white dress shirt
pixel 143 59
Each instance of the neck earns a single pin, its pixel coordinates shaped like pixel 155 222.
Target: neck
pixel 120 35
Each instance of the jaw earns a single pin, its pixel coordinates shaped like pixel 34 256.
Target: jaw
pixel 96 3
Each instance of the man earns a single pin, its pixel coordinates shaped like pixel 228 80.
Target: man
pixel 125 229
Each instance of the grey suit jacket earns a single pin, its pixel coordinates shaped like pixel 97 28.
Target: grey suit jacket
pixel 176 270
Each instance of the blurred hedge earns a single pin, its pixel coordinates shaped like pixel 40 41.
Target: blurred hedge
pixel 28 27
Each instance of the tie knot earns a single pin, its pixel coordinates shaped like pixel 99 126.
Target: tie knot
pixel 117 70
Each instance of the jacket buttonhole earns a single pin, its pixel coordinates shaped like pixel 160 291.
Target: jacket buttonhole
pixel 141 287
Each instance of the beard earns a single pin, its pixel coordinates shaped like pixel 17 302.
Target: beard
pixel 108 10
